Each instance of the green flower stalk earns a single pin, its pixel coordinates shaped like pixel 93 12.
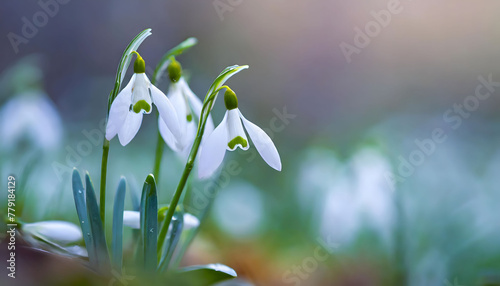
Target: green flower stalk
pixel 120 74
pixel 204 116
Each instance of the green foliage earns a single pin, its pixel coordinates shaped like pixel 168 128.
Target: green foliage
pixel 117 241
pixel 149 223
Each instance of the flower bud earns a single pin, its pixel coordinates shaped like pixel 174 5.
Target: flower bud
pixel 230 99
pixel 174 70
pixel 139 64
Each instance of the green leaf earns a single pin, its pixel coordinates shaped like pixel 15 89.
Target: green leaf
pixel 81 210
pixel 96 227
pixel 223 77
pixel 172 239
pixel 117 242
pixel 125 62
pixel 161 67
pixel 149 222
pixel 205 274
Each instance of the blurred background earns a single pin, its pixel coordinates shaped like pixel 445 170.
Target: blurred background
pixel 385 114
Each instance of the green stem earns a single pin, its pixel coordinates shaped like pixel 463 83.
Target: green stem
pixel 160 145
pixel 185 174
pixel 178 193
pixel 104 169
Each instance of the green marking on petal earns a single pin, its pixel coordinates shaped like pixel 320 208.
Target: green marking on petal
pixel 141 105
pixel 189 117
pixel 237 140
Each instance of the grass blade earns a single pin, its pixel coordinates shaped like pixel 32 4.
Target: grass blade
pixel 149 223
pixel 117 241
pixel 125 62
pixel 81 210
pixel 172 240
pixel 96 227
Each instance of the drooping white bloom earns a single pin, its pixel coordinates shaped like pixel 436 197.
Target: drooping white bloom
pixel 356 197
pixel 125 114
pixel 229 135
pixel 60 232
pixel 188 107
pixel 30 115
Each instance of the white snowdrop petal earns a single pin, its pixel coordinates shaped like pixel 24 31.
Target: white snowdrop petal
pixel 119 110
pixel 130 127
pixel 263 143
pixel 236 134
pixel 132 219
pixel 197 105
pixel 60 232
pixel 213 150
pixel 140 92
pixel 166 110
pixel 167 136
pixel 179 103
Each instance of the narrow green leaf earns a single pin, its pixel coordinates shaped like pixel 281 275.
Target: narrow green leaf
pixel 96 227
pixel 177 50
pixel 173 237
pixel 81 210
pixel 125 62
pixel 117 242
pixel 223 77
pixel 149 222
pixel 205 274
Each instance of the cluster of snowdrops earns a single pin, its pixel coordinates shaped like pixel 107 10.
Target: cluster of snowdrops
pixel 185 126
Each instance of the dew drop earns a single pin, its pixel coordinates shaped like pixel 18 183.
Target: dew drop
pixel 151 230
pixel 79 192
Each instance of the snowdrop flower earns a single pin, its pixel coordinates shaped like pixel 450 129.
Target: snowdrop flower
pixel 188 107
pixel 60 232
pixel 132 219
pixel 359 198
pixel 125 114
pixel 230 134
pixel 33 116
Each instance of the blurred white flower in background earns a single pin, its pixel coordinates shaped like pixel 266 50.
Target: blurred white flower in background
pixel 374 195
pixel 239 209
pixel 30 115
pixel 349 197
pixel 57 236
pixel 132 219
pixel 60 232
pixel 27 112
